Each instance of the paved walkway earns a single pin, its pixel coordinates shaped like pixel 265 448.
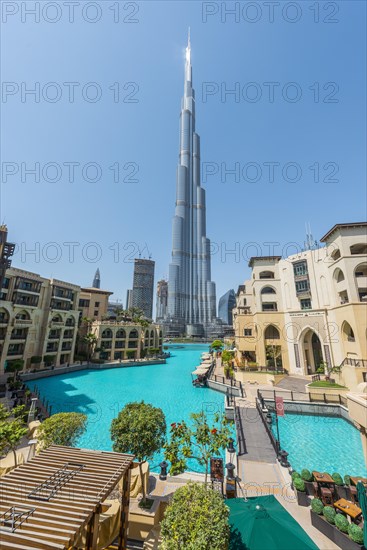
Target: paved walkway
pixel 293 383
pixel 257 443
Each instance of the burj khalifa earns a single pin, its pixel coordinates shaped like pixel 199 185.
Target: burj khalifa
pixel 191 293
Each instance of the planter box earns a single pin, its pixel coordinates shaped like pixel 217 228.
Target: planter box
pixel 345 542
pixel 302 498
pixel 322 525
pixel 333 533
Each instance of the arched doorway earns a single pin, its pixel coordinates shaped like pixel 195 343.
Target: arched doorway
pixel 312 351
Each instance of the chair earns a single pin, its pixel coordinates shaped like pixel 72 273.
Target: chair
pixel 353 494
pixel 326 496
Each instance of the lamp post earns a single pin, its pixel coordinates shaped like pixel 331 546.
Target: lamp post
pixel 163 473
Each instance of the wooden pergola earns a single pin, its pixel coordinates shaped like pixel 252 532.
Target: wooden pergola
pixel 49 501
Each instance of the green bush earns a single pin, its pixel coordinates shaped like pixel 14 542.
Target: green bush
pixel 294 475
pixel 347 480
pixel 355 533
pixel 196 518
pixel 329 514
pixel 341 523
pixel 337 478
pixel 299 484
pixel 317 506
pixel 306 475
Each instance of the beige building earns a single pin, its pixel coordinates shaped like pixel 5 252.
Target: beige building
pixel 309 308
pixel 125 340
pixel 38 319
pixel 93 303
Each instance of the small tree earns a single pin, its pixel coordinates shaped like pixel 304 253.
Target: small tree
pixel 196 519
pixel 199 441
pixel 15 366
pixel 139 429
pixel 274 355
pixel 12 429
pixel 217 345
pixel 62 429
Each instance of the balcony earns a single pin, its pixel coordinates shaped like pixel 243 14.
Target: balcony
pixel 361 281
pixel 66 346
pixel 56 324
pixel 15 353
pixel 51 348
pixel 18 337
pixel 22 322
pixel 106 344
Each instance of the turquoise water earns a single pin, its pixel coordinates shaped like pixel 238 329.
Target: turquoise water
pixel 322 443
pixel 102 394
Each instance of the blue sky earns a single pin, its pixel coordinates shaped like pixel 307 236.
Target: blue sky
pixel 321 63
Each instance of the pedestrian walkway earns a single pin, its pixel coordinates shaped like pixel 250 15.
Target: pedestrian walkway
pixel 257 445
pixel 294 383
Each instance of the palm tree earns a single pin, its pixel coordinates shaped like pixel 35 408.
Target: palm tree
pixel 91 340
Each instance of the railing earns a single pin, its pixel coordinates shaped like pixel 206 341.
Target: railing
pixel 305 397
pixel 227 382
pixel 354 362
pixel 315 378
pixel 274 442
pixel 241 440
pixel 277 370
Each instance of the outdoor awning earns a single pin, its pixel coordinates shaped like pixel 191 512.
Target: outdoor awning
pixel 200 371
pixel 262 522
pixel 57 494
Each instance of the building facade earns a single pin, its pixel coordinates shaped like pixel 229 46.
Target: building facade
pixel 143 284
pixel 93 303
pixel 126 340
pixel 308 309
pixel 191 292
pixel 97 279
pixel 6 251
pixel 38 319
pixel 162 300
pixel 129 294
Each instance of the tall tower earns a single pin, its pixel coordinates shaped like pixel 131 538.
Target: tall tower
pixel 143 282
pixel 191 293
pixel 97 280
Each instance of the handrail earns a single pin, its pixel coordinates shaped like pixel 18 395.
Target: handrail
pixel 332 398
pixel 242 449
pixel 273 441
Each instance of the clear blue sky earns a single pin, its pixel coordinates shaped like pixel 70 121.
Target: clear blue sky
pixel 145 133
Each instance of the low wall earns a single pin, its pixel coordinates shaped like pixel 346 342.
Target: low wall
pixel 259 377
pixel 321 409
pixel 88 366
pixel 326 391
pixel 223 388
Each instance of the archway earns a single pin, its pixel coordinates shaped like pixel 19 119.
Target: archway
pixel 311 351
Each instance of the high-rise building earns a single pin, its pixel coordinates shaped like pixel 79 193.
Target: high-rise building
pixel 162 299
pixel 142 293
pixel 226 304
pixel 191 293
pixel 129 295
pixel 97 280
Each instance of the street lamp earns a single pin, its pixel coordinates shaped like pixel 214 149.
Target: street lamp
pixel 163 474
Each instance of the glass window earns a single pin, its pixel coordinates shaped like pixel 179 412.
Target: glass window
pixel 306 304
pixel 247 332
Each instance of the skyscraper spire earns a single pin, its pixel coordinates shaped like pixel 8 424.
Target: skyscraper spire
pixel 97 280
pixel 191 293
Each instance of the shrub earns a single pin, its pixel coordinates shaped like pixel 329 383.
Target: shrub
pixel 196 518
pixel 341 523
pixel 306 475
pixel 347 480
pixel 338 479
pixel 299 484
pixel 355 533
pixel 329 514
pixel 317 506
pixel 294 475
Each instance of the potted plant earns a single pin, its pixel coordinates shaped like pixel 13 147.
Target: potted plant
pixel 355 536
pixel 299 486
pixel 319 518
pixel 308 479
pixel 294 475
pixel 340 488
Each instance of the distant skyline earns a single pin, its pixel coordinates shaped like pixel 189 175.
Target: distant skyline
pixel 257 131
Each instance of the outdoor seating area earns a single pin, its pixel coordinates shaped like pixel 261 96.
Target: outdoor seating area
pixel 61 499
pixel 201 371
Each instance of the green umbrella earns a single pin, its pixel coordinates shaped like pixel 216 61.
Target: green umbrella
pixel 362 499
pixel 261 523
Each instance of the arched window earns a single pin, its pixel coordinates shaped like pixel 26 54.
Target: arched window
pixel 271 333
pixel 358 248
pixel 347 332
pixel 133 334
pixel 152 334
pixel 266 275
pixel 23 315
pixel 335 255
pixel 4 316
pixel 120 334
pixel 70 322
pixel 268 290
pixel 338 275
pixel 107 333
pixel 360 270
